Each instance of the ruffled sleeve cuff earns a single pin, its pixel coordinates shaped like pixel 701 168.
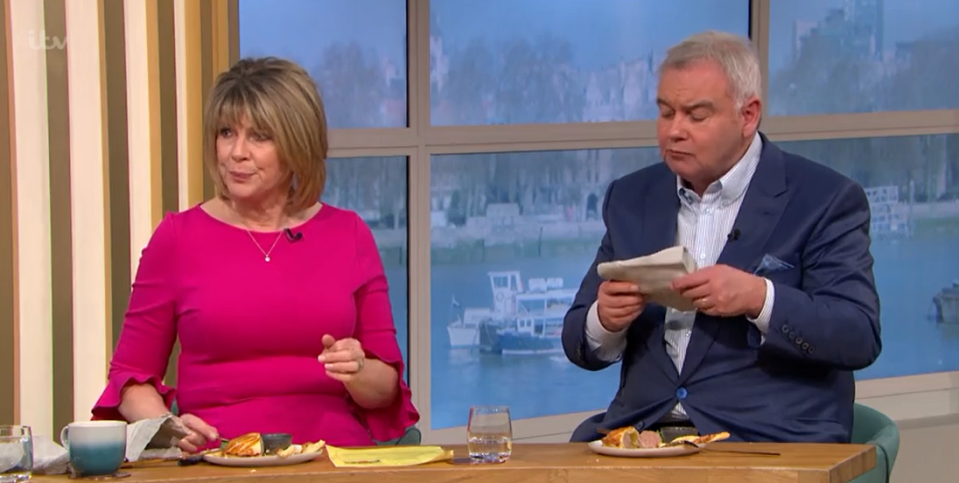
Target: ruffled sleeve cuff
pixel 108 406
pixel 390 422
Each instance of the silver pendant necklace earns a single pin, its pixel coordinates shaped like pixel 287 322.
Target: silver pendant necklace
pixel 266 254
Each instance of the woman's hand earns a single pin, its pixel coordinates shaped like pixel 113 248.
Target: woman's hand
pixel 201 433
pixel 371 383
pixel 343 359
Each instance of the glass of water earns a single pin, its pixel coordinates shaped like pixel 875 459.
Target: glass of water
pixel 16 453
pixel 490 434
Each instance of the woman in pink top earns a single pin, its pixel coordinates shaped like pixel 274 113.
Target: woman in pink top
pixel 280 303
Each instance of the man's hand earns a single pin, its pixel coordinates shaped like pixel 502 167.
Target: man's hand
pixel 723 291
pixel 618 304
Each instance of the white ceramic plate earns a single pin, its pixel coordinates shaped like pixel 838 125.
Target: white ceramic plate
pixel 680 450
pixel 257 461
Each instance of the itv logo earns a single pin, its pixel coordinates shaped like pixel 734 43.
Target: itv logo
pixel 41 41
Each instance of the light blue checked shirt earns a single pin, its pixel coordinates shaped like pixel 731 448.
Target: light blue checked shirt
pixel 703 225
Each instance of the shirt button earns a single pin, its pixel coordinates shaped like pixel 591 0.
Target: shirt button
pixel 681 393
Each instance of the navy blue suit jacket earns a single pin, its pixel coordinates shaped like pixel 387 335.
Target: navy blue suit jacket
pixel 798 385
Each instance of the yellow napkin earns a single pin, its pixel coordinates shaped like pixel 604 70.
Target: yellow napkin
pixel 387 456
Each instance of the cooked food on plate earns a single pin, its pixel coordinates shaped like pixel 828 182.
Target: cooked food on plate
pixel 307 448
pixel 699 440
pixel 621 438
pixel 251 445
pixel 630 438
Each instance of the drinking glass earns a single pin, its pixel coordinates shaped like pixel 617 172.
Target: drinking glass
pixel 16 454
pixel 490 434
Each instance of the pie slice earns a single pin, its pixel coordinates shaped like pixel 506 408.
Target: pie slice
pixel 626 437
pixel 680 440
pixel 650 439
pixel 250 444
pixel 305 448
pixel 314 447
pixel 629 438
pixel 711 438
pixel 697 440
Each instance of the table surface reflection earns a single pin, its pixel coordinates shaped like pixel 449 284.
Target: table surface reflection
pixel 554 463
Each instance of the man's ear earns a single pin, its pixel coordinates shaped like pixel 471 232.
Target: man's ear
pixel 751 113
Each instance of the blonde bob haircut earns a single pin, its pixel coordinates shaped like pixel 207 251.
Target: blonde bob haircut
pixel 280 100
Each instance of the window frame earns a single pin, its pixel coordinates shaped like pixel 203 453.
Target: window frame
pixel 903 398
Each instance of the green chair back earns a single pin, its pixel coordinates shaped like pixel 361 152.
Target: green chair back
pixel 412 437
pixel 873 427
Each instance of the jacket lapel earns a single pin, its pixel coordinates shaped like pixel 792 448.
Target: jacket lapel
pixel 762 206
pixel 658 232
pixel 661 210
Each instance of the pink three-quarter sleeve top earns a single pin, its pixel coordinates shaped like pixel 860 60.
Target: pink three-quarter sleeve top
pixel 250 331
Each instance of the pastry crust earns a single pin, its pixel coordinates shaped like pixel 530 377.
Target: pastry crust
pixel 698 440
pixel 627 437
pixel 712 438
pixel 692 438
pixel 250 444
pixel 305 448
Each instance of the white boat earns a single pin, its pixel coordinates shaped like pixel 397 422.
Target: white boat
pixel 464 330
pixel 538 325
pixel 521 320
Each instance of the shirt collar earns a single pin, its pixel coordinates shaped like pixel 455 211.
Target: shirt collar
pixel 733 184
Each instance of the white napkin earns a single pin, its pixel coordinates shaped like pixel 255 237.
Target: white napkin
pixel 49 458
pixel 146 439
pixel 155 438
pixel 654 275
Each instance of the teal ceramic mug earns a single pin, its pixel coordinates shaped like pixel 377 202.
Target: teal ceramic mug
pixel 96 448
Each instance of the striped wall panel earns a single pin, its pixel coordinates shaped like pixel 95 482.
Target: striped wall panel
pixel 144 119
pixel 9 331
pixel 27 77
pixel 166 76
pixel 189 81
pixel 60 202
pixel 93 154
pixel 89 202
pixel 118 168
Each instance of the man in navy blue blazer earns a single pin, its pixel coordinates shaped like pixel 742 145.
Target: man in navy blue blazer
pixel 786 303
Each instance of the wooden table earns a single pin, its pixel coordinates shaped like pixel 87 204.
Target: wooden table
pixel 555 463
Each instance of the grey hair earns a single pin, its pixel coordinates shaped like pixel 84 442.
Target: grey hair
pixel 734 54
